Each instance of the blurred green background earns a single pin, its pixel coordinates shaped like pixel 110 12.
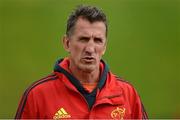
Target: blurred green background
pixel 143 48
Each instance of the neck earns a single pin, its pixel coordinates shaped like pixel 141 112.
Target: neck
pixel 85 77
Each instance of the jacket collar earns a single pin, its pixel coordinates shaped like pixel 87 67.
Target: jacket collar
pixel 62 66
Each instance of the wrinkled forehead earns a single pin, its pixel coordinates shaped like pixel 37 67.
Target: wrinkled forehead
pixel 84 27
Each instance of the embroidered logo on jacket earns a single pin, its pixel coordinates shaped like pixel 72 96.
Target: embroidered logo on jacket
pixel 118 113
pixel 61 113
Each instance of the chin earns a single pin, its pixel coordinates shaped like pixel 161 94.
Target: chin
pixel 88 68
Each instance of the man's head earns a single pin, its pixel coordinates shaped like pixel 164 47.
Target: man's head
pixel 85 39
pixel 90 13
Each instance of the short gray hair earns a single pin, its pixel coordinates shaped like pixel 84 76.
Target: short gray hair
pixel 90 13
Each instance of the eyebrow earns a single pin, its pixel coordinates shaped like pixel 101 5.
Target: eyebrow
pixel 84 37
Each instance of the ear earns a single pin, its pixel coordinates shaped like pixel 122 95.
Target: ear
pixel 105 45
pixel 104 50
pixel 66 43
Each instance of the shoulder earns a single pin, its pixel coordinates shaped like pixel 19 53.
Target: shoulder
pixel 123 82
pixel 34 91
pixel 124 85
pixel 127 89
pixel 42 84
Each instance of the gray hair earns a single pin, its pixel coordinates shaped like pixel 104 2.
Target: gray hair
pixel 90 13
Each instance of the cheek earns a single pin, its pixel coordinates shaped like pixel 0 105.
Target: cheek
pixel 75 50
pixel 101 51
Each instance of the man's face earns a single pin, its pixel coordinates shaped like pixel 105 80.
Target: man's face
pixel 86 45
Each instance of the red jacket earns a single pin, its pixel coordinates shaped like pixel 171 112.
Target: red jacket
pixel 56 97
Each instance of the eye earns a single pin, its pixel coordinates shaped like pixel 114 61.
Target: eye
pixel 98 40
pixel 84 39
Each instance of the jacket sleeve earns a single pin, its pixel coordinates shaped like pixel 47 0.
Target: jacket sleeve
pixel 27 108
pixel 138 108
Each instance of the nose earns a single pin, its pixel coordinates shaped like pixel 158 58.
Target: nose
pixel 90 47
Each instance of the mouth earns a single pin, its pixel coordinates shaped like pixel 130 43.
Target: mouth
pixel 88 59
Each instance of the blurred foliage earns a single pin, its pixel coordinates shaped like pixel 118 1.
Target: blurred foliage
pixel 143 47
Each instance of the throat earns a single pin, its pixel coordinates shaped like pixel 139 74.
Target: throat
pixel 89 86
pixel 87 78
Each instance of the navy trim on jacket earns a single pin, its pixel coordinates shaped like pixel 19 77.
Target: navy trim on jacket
pixel 26 93
pixel 90 97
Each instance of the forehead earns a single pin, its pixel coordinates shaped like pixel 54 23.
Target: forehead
pixel 84 27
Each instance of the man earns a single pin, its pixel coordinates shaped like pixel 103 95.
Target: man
pixel 81 85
